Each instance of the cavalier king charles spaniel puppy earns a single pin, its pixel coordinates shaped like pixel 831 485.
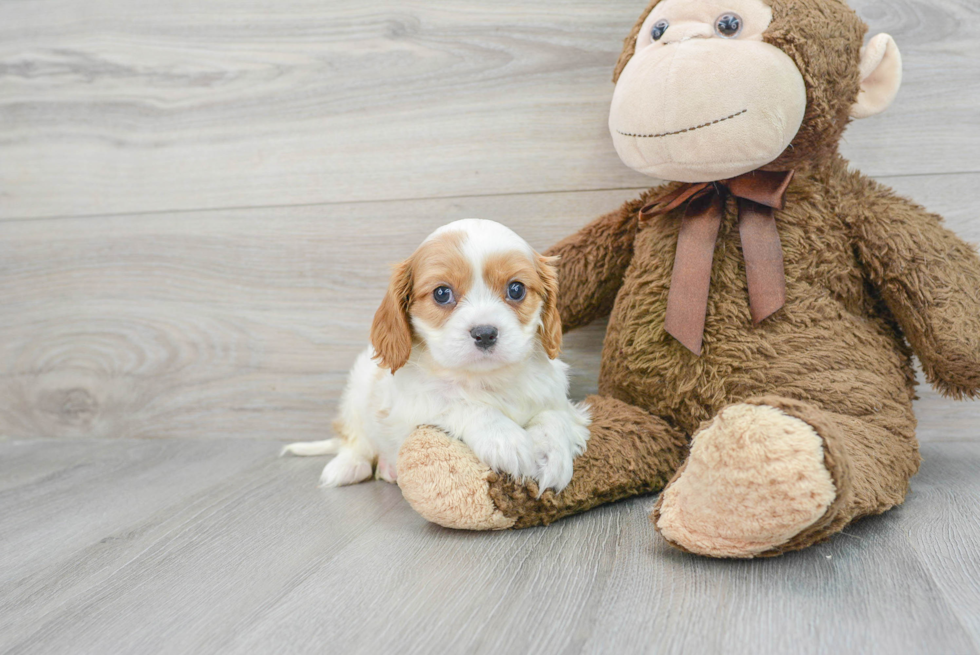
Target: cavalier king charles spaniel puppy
pixel 466 339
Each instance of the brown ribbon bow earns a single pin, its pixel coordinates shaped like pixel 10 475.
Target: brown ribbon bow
pixel 758 193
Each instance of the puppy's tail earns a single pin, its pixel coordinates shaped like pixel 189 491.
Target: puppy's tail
pixel 311 448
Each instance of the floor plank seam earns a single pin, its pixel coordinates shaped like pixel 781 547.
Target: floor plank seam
pixel 526 553
pixel 312 567
pixel 340 203
pixel 117 570
pixel 938 587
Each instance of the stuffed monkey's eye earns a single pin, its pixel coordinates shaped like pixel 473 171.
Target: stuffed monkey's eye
pixel 658 29
pixel 516 291
pixel 728 25
pixel 443 295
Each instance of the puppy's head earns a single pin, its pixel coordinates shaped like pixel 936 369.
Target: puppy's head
pixel 476 294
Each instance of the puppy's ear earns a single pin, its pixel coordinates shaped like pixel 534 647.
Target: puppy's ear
pixel 391 332
pixel 550 318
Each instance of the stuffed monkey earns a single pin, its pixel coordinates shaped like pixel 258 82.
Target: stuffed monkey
pixel 764 305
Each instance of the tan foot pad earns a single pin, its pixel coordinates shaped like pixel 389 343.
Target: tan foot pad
pixel 444 481
pixel 755 478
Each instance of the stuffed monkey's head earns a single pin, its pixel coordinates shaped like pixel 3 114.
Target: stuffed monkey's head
pixel 710 89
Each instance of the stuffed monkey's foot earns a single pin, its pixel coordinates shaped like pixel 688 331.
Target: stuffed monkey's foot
pixel 754 480
pixel 446 483
pixel 629 452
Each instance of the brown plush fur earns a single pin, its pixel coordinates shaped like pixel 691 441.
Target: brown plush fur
pixel 864 268
pixel 630 452
pixel 871 279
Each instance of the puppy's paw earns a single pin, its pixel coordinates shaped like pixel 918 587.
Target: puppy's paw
pixel 506 450
pixel 554 468
pixel 558 437
pixel 346 468
pixel 386 471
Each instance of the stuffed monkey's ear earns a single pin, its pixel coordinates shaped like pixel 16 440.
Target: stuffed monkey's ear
pixel 391 333
pixel 881 75
pixel 550 329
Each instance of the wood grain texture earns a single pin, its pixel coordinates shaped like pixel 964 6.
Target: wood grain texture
pixel 244 322
pixel 942 521
pixel 239 103
pixel 231 323
pixel 191 546
pixel 198 204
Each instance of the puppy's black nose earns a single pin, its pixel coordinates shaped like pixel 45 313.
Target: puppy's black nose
pixel 484 336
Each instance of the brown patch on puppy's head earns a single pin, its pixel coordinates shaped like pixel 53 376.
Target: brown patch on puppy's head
pixel 437 262
pixel 540 278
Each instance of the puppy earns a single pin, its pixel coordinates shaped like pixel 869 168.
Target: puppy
pixel 466 339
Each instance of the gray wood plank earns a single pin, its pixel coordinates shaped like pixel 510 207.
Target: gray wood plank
pixel 257 560
pixel 604 582
pixel 942 522
pixel 944 419
pixel 167 105
pixel 226 520
pixel 99 499
pixel 230 323
pixel 244 322
pixel 34 461
pixel 868 590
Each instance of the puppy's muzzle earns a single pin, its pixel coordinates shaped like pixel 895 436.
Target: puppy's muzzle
pixel 485 336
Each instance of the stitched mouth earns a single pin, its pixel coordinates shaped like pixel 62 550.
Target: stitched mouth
pixel 689 129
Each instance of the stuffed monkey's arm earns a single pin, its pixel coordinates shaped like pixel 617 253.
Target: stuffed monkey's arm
pixel 592 263
pixel 930 280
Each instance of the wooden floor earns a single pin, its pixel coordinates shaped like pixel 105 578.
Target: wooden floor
pixel 198 546
pixel 198 204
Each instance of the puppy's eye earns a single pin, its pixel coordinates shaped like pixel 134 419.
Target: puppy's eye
pixel 728 25
pixel 516 291
pixel 443 295
pixel 658 29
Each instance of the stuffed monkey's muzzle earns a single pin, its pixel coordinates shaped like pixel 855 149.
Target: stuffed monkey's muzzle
pixel 706 109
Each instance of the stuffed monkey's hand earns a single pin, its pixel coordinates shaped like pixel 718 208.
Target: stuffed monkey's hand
pixel 930 280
